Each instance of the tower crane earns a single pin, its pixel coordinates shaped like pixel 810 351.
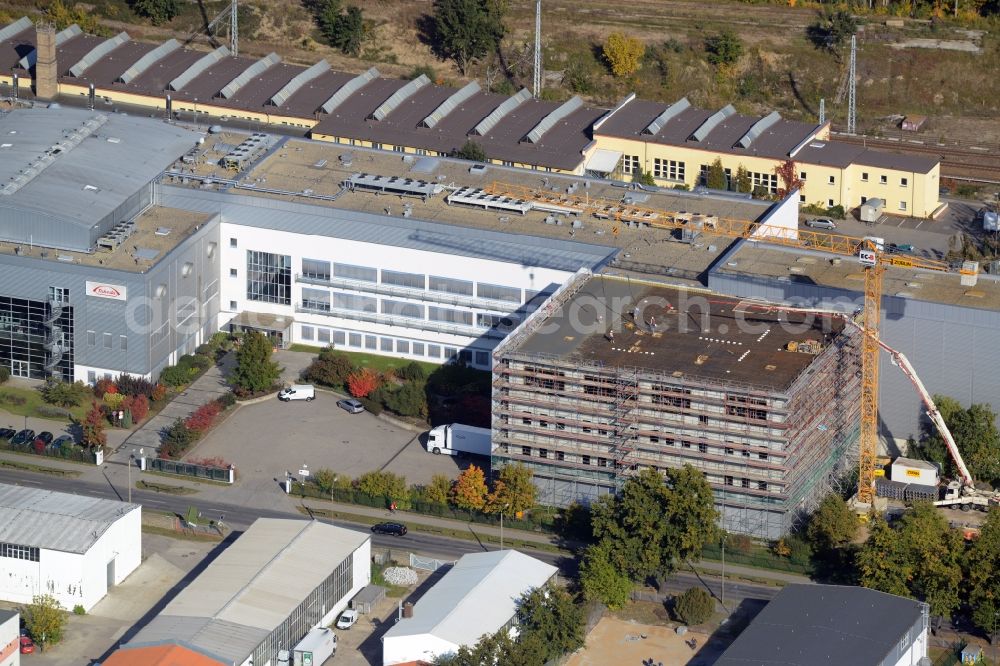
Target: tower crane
pixel 870 253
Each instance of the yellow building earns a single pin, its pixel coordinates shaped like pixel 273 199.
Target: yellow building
pixel 677 143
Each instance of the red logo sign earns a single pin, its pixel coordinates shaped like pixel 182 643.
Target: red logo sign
pixel 105 290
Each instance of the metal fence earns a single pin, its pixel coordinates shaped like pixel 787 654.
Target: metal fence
pixel 428 563
pixel 179 468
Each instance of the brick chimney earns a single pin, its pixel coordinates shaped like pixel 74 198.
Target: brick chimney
pixel 46 71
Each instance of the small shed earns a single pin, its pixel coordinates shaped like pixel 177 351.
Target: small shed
pixel 366 599
pixel 972 654
pixel 913 123
pixel 872 211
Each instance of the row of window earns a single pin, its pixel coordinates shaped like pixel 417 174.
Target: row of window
pixel 325 301
pixel 107 340
pixel 18 552
pixel 668 169
pixel 355 340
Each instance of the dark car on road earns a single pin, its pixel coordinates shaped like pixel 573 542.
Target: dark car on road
pixel 7 433
pixel 395 529
pixel 23 437
pixel 61 441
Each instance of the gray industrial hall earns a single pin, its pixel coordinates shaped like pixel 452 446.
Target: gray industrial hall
pixel 95 278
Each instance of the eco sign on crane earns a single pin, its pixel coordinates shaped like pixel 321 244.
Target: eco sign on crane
pixel 870 252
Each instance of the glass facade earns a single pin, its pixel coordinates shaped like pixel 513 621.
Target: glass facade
pixel 36 338
pixel 269 277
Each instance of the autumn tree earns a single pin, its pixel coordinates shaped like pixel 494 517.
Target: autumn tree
pixel 93 436
pixel 438 490
pixel 324 479
pixel 743 182
pixel 788 177
pixel 716 178
pixel 513 491
pixel 362 382
pixel 140 408
pixel 255 372
pixel 470 491
pixel 882 562
pixel 44 619
pixel 623 53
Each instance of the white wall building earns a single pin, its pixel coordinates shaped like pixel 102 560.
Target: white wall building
pixel 830 625
pixel 10 638
pixel 70 546
pixel 375 283
pixel 478 596
pixel 265 592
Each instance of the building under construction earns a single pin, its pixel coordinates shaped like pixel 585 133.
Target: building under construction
pixel 612 375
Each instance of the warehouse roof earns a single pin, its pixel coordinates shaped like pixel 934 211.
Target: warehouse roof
pixel 168 654
pixel 813 625
pixel 74 166
pixel 841 155
pixel 252 587
pixel 56 521
pixel 694 334
pixel 478 596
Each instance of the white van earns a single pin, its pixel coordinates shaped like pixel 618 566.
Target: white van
pixel 297 392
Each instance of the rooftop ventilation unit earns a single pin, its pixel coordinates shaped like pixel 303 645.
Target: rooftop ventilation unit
pixel 98 52
pixel 256 69
pixel 348 89
pixel 198 68
pixel 15 28
pixel 505 108
pixel 550 120
pixel 668 114
pixel 712 122
pixel 400 96
pixel 758 128
pixel 63 36
pixel 148 60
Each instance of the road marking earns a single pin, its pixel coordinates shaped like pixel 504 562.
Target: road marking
pixel 918 224
pixel 901 224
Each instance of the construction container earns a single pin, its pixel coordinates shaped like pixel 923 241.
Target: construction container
pixel 908 470
pixel 872 211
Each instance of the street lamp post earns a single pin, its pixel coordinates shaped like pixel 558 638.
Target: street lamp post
pixel 131 461
pixel 505 507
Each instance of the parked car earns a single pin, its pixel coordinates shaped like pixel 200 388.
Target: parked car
pixel 347 619
pixel 900 247
pixel 351 405
pixel 821 223
pixel 297 392
pixel 27 645
pixel 43 439
pixel 395 529
pixel 23 437
pixel 60 441
pixel 7 433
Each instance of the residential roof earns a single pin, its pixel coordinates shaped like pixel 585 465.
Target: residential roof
pixel 252 587
pixel 160 655
pixel 74 166
pixel 841 155
pixel 814 625
pixel 56 521
pixel 478 596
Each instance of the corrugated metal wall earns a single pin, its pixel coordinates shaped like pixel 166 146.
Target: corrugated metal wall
pixel 955 350
pixel 21 225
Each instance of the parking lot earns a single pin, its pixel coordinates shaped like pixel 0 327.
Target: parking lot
pixel 267 439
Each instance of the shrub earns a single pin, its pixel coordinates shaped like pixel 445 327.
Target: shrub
pixel 724 48
pixel 412 372
pixel 362 382
pixel 410 399
pixel 694 606
pixel 198 363
pixel 214 461
pixel 203 418
pixel 207 349
pixel 114 401
pixel 104 385
pixel 4 374
pixel 330 368
pixel 140 408
pixel 385 484
pixel 130 385
pixel 374 407
pixel 255 372
pixel 324 479
pixel 175 375
pixel 79 610
pixel 64 394
pixel 176 440
pixel 471 151
pixel 93 428
pixel 13 399
pixel 51 412
pixel 741 543
pixel 226 400
pixel 623 53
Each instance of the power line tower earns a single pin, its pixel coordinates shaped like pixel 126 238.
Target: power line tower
pixel 852 109
pixel 537 87
pixel 234 39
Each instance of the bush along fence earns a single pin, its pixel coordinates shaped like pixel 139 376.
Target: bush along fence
pixel 223 474
pixel 64 450
pixel 184 433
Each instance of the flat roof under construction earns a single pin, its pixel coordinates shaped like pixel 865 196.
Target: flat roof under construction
pixel 695 334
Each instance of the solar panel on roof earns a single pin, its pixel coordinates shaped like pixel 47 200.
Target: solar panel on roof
pixel 17 27
pixel 300 80
pixel 256 69
pixel 758 128
pixel 549 121
pixel 713 121
pixel 400 96
pixel 63 36
pixel 508 105
pixel 98 52
pixel 348 89
pixel 450 104
pixel 668 114
pixel 147 61
pixel 198 67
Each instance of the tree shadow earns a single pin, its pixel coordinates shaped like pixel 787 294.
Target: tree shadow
pixel 427 34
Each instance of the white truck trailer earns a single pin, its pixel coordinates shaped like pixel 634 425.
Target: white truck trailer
pixel 318 645
pixel 455 438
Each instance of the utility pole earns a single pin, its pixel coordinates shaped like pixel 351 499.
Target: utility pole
pixel 234 38
pixel 822 111
pixel 537 87
pixel 852 75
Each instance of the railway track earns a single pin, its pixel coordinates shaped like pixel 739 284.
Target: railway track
pixel 981 165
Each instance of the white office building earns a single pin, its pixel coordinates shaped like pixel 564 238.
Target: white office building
pixel 72 547
pixel 478 596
